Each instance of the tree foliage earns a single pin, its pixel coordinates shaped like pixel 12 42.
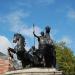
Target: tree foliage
pixel 65 59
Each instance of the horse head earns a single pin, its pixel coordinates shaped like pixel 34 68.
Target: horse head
pixel 16 37
pixel 19 38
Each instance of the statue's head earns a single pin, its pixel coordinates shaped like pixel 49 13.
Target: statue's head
pixel 33 47
pixel 42 33
pixel 47 28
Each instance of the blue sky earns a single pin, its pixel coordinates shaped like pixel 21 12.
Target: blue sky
pixel 19 16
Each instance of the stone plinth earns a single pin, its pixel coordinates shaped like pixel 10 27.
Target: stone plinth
pixel 35 71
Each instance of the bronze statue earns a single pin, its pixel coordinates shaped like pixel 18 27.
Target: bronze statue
pixel 41 40
pixel 44 56
pixel 50 52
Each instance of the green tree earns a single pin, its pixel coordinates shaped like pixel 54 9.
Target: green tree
pixel 65 59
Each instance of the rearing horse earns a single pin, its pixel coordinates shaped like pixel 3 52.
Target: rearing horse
pixel 20 51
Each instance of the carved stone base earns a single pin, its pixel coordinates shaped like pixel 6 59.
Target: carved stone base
pixel 35 71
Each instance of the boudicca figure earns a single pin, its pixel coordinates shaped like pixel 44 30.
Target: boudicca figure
pixel 50 52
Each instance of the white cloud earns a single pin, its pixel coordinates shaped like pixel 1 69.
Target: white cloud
pixel 24 3
pixel 47 2
pixel 71 14
pixel 4 44
pixel 54 32
pixel 67 40
pixel 15 17
pixel 3 19
pixel 25 30
pixel 30 3
pixel 16 23
pixel 15 20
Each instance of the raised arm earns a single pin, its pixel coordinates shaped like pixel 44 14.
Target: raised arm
pixel 36 35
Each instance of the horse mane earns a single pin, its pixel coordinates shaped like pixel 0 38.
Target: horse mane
pixel 23 40
pixel 21 37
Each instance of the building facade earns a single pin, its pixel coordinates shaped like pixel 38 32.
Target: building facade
pixel 4 63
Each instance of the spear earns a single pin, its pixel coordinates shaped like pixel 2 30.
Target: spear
pixel 34 32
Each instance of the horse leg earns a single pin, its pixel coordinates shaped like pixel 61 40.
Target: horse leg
pixel 23 63
pixel 11 50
